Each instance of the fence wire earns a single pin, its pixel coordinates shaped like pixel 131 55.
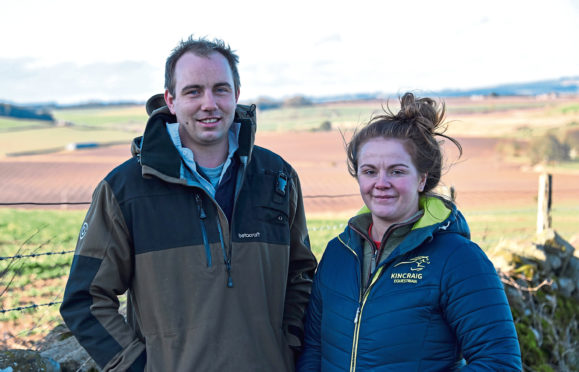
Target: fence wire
pixel 33 255
pixel 34 306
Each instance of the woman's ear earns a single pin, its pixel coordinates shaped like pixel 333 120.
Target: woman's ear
pixel 422 182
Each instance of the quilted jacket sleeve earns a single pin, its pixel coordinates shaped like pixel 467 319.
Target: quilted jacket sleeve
pixel 301 269
pixel 311 358
pixel 475 306
pixel 101 271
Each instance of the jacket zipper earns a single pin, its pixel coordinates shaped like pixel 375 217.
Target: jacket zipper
pixel 226 259
pixel 358 315
pixel 363 296
pixel 202 217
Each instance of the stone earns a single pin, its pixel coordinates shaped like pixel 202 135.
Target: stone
pixel 554 262
pixel 61 346
pixel 26 361
pixel 506 252
pixel 566 286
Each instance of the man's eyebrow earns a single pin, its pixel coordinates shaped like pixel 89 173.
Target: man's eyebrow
pixel 191 86
pixel 222 84
pixel 198 86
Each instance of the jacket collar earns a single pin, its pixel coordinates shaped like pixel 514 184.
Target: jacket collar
pixel 156 152
pixel 440 216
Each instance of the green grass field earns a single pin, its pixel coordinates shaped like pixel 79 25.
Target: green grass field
pixel 31 232
pixel 36 278
pixel 40 279
pixel 9 125
pixel 57 138
pixel 117 117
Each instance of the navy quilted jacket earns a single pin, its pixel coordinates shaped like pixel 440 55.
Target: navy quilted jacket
pixel 433 304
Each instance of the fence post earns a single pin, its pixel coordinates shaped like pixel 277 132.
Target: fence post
pixel 544 202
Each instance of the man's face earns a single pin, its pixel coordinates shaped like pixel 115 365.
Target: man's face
pixel 204 101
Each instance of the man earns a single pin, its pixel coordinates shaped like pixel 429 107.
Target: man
pixel 205 231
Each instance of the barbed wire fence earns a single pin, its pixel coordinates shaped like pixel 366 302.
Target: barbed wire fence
pixel 13 260
pixel 9 272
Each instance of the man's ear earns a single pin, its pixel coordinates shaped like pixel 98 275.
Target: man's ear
pixel 237 95
pixel 169 99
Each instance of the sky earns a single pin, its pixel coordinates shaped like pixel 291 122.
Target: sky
pixel 74 51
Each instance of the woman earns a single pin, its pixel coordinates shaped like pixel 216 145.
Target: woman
pixel 403 288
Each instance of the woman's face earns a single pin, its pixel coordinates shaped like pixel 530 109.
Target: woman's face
pixel 388 180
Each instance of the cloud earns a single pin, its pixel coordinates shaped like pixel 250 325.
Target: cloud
pixel 304 47
pixel 23 80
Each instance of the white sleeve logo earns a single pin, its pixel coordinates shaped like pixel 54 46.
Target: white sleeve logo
pixel 83 230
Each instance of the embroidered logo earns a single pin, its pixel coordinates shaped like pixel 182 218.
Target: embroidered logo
pixel 249 235
pixel 444 227
pixel 418 263
pixel 83 230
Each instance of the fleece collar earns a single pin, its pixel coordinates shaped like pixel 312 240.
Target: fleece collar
pixel 435 211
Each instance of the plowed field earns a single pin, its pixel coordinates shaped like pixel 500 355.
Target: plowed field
pixel 481 178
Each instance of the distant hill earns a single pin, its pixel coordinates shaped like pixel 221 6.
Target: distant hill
pixel 561 86
pixel 20 112
pixel 568 85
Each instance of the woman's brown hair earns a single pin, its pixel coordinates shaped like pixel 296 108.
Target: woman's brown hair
pixel 417 124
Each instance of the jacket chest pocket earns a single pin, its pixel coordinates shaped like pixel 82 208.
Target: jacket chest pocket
pixel 266 212
pixel 273 203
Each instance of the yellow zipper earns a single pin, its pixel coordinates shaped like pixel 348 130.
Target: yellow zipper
pixel 358 316
pixel 357 319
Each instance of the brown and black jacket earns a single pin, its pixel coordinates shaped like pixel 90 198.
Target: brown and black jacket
pixel 206 290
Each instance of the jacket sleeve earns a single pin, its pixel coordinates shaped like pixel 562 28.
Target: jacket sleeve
pixel 311 357
pixel 476 308
pixel 302 266
pixel 101 271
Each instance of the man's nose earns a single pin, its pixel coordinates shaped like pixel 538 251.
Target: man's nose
pixel 209 102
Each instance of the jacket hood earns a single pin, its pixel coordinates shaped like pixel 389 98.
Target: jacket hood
pixel 155 150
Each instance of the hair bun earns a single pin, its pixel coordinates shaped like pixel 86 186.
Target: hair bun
pixel 423 111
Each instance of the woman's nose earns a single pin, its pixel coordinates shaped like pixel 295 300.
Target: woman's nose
pixel 383 180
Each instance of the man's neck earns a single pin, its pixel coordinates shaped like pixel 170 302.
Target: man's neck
pixel 208 156
pixel 207 160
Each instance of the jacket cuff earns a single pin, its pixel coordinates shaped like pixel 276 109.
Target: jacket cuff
pixel 294 337
pixel 139 363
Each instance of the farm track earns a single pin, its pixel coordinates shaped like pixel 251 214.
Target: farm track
pixel 481 178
